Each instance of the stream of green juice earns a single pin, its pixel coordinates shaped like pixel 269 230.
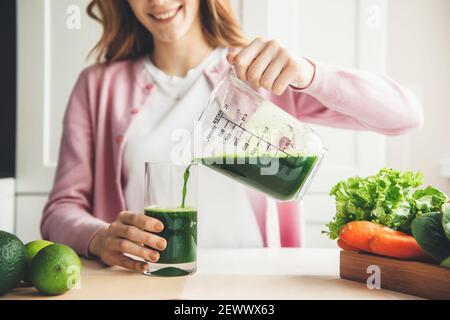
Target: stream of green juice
pixel 187 173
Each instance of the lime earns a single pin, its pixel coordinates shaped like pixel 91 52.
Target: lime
pixel 446 263
pixel 55 269
pixel 35 246
pixel 13 261
pixel 32 249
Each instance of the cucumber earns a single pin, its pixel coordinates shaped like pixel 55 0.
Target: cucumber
pixel 429 234
pixel 446 219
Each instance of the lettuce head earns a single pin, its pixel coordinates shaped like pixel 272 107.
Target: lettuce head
pixel 386 198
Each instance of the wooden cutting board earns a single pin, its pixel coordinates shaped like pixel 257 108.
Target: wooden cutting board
pixel 411 277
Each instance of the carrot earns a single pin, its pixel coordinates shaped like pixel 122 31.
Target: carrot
pixel 357 234
pixel 375 238
pixel 390 243
pixel 344 246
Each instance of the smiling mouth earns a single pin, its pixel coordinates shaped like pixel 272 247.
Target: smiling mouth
pixel 166 16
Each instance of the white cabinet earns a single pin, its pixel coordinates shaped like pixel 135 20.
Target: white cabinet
pixel 7 205
pixel 54 38
pixel 28 216
pixel 51 55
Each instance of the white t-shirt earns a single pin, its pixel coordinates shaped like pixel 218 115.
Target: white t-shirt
pixel 225 215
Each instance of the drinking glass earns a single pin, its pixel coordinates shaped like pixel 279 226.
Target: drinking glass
pixel 165 185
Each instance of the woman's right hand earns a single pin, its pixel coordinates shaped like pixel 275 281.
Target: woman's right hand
pixel 128 235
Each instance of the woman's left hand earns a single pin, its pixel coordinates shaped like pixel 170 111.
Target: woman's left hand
pixel 266 64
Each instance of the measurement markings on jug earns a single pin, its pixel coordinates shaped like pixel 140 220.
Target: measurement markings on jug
pixel 221 116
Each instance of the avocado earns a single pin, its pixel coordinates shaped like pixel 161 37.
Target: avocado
pixel 429 234
pixel 13 261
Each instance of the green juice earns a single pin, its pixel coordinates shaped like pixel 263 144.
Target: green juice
pixel 281 177
pixel 180 232
pixel 187 173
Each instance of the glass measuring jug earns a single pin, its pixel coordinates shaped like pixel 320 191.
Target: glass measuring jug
pixel 251 140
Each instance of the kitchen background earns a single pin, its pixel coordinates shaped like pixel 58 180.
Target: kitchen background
pixel 406 39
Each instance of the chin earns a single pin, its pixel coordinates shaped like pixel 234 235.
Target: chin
pixel 168 36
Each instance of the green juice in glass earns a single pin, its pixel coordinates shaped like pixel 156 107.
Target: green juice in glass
pixel 180 232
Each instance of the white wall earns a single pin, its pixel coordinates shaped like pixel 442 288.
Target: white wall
pixel 418 55
pixel 346 33
pixel 51 54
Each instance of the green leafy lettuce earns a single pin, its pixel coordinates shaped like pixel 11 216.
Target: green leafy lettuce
pixel 386 198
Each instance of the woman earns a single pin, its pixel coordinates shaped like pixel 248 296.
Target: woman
pixel 158 62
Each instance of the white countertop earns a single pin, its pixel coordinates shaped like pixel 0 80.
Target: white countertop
pixel 268 274
pixel 274 261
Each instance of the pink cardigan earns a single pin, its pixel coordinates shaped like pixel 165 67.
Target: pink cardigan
pixel 88 193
